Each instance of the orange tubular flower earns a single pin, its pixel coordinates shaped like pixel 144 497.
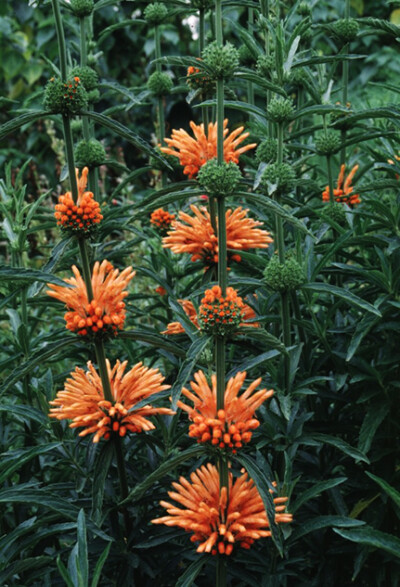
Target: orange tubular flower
pixel 195 235
pixel 161 219
pixel 194 152
pixel 105 314
pixel 82 216
pixel 222 519
pixel 228 428
pixel 343 192
pixel 82 400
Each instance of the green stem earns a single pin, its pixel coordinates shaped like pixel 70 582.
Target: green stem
pixel 218 22
pixel 60 39
pixel 102 365
pixel 220 364
pixel 213 213
pixel 220 121
pixel 86 270
pixel 69 147
pixel 83 51
pixel 202 31
pixel 221 570
pixel 222 253
pixel 123 483
pixel 330 179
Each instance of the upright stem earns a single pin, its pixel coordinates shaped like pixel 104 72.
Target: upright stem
pixel 250 88
pixel 160 101
pixel 83 51
pixel 60 39
pixel 330 179
pixel 222 279
pixel 345 84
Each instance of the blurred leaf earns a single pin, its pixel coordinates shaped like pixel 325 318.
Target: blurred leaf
pixel 371 537
pixel 193 570
pixel 193 354
pixel 391 491
pixel 12 461
pixel 345 294
pixel 315 490
pixel 320 522
pixel 374 417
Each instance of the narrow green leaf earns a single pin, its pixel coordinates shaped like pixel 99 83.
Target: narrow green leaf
pixel 374 417
pixel 250 363
pixel 195 350
pixel 13 125
pixel 315 490
pixel 20 566
pixel 154 339
pixel 82 560
pixel 320 522
pixel 361 331
pixel 371 537
pixel 236 105
pixel 267 203
pixel 64 573
pixel 193 570
pixel 345 294
pixel 103 463
pixel 25 276
pixel 36 359
pixel 391 491
pixel 338 443
pixel 14 460
pixel 125 133
pixel 26 413
pixel 263 488
pixel 99 565
pixel 140 489
pixel 261 335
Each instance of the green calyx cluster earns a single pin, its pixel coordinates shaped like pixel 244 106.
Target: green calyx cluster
pixel 304 9
pixel 219 179
pixel 283 277
pixel 336 212
pixel 159 84
pixel 155 13
pixel 66 98
pixel 265 65
pixel 277 177
pixel 89 153
pixel 82 7
pixel 88 77
pixel 267 150
pixel 280 109
pixel 328 143
pixel 223 60
pixel 346 29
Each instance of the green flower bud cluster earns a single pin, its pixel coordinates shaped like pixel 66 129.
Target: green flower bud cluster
pixel 202 4
pixel 82 7
pixel 223 60
pixel 283 277
pixel 328 143
pixel 159 84
pixel 336 212
pixel 267 151
pixel 266 65
pixel 90 153
pixel 280 109
pixel 346 29
pixel 246 57
pixel 155 13
pixel 88 77
pixel 280 175
pixel 68 97
pixel 304 9
pixel 219 179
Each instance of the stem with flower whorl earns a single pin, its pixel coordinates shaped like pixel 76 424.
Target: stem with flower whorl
pixel 99 346
pixel 222 278
pixel 280 238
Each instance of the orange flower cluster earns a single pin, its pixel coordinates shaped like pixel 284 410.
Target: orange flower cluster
pixel 219 314
pixel 343 192
pixel 82 216
pixel 161 219
pixel 82 400
pixel 247 313
pixel 105 313
pixel 195 235
pixel 220 519
pixel 194 152
pixel 229 428
pixel 71 87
